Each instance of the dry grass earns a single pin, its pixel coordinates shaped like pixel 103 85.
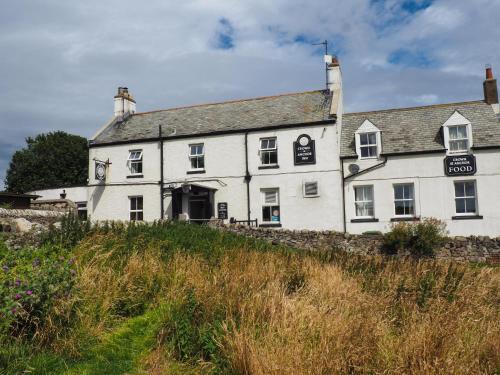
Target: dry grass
pixel 290 314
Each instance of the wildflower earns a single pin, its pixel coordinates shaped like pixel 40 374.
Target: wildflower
pixel 29 292
pixel 36 262
pixel 71 261
pixel 5 268
pixel 73 272
pixel 17 296
pixel 14 310
pixel 17 282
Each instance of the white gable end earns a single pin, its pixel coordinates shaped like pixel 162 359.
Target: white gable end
pixel 367 127
pixel 456 119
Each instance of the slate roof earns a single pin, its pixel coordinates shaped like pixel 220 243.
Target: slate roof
pixel 281 110
pixel 418 129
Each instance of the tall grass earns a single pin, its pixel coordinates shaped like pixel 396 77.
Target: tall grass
pixel 177 298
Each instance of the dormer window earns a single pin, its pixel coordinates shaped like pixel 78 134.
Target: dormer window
pixel 368 145
pixel 457 132
pixel 459 140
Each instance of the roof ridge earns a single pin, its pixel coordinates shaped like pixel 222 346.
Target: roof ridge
pixel 229 102
pixel 416 107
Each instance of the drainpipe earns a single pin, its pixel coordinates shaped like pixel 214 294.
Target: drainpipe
pixel 248 177
pixel 162 215
pixel 344 226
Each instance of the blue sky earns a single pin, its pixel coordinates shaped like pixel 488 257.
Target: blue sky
pixel 62 61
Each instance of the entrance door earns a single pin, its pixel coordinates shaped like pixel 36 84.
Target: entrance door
pixel 199 208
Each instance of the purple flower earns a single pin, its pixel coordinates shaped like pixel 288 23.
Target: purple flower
pixel 17 296
pixel 71 261
pixel 13 310
pixel 5 268
pixel 73 272
pixel 17 282
pixel 29 292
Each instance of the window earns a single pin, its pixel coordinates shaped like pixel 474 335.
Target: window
pixel 270 206
pixel 368 145
pixel 197 156
pixel 311 189
pixel 136 209
pixel 81 208
pixel 268 151
pixel 458 138
pixel 135 160
pixel 404 202
pixel 363 196
pixel 465 197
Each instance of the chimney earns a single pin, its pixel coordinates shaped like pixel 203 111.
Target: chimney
pixel 333 73
pixel 491 89
pixel 124 102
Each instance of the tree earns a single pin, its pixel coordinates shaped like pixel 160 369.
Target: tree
pixel 50 160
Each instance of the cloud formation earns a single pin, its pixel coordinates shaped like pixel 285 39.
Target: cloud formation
pixel 62 61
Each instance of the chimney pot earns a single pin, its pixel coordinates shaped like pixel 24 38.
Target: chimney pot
pixel 491 89
pixel 124 102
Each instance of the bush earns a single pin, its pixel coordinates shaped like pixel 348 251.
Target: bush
pixel 419 238
pixel 30 282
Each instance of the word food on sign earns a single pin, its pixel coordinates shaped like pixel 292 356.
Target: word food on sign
pixel 304 150
pixel 463 165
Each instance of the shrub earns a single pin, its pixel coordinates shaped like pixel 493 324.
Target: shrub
pixel 30 282
pixel 421 238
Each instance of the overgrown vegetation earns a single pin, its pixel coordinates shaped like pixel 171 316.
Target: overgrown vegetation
pixel 177 298
pixel 420 238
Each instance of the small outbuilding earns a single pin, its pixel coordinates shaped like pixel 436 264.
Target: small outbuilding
pixel 17 201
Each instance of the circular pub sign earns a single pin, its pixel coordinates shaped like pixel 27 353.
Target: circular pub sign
pixel 100 171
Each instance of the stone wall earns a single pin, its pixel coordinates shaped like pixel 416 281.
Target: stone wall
pixel 26 220
pixel 62 205
pixel 474 249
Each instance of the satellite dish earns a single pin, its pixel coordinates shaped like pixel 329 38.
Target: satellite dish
pixel 353 168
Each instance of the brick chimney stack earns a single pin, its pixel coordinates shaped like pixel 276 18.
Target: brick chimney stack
pixel 124 102
pixel 490 88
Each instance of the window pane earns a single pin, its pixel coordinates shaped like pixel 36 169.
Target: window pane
pixel 133 204
pixel 273 157
pixel 365 152
pixel 461 131
pixel 398 191
pixel 272 143
pixel 453 132
pixel 140 216
pixel 194 163
pixel 363 138
pixel 266 213
pixel 201 162
pixel 470 190
pixel 470 205
pixel 139 203
pixel 460 205
pixel 264 143
pixel 399 205
pixel 270 197
pixel 372 138
pixel 275 213
pixel 409 192
pixel 459 189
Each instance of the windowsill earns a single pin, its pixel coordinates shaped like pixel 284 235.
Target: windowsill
pixel 368 158
pixel 196 171
pixel 270 225
pixel 365 220
pixel 405 218
pixel 135 176
pixel 467 217
pixel 274 166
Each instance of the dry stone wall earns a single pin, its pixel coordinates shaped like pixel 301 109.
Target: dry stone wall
pixel 474 248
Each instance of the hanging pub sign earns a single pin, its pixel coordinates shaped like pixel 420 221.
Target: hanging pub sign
pixel 222 210
pixel 304 151
pixel 463 165
pixel 100 170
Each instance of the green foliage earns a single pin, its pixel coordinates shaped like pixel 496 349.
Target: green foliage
pixel 421 238
pixel 30 282
pixel 48 160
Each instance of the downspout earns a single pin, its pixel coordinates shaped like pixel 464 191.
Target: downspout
pixel 344 226
pixel 248 177
pixel 162 214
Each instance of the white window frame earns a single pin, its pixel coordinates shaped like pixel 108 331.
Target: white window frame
pixel 465 197
pixel 304 189
pixel 403 184
pixel 268 150
pixel 367 127
pixel 456 119
pixel 356 202
pixel 136 210
pixel 274 204
pixel 135 160
pixel 197 157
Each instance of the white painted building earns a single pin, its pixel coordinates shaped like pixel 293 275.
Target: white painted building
pixel 296 161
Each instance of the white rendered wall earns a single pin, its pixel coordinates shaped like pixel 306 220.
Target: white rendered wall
pixel 75 194
pixel 434 192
